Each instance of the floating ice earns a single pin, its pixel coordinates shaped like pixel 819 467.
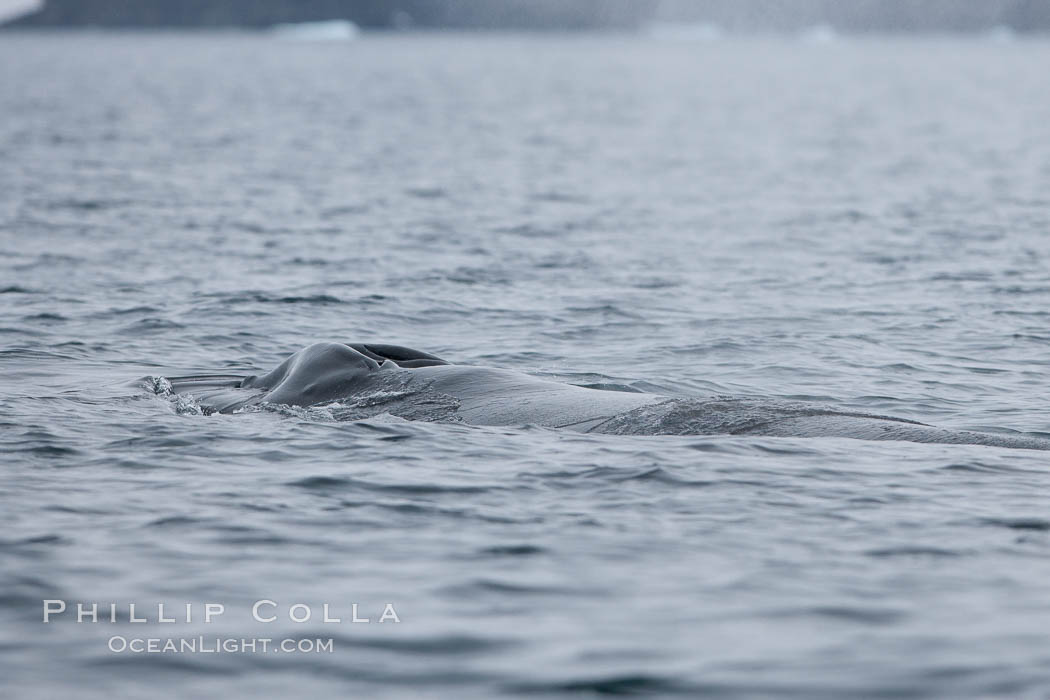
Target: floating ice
pixel 1001 34
pixel 685 31
pixel 332 30
pixel 820 34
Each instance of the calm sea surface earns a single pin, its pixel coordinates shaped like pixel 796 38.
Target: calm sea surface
pixel 860 223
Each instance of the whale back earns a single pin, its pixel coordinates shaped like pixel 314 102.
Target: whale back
pixel 418 386
pixel 489 396
pixel 318 373
pixel 400 355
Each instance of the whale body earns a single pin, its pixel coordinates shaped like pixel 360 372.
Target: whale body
pixel 362 380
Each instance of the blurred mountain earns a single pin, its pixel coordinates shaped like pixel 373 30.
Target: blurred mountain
pixel 732 15
pixel 862 15
pixel 478 14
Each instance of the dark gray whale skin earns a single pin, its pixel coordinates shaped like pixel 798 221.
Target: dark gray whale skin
pixel 374 378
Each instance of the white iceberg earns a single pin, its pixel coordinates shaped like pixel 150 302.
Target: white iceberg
pixel 1001 34
pixel 684 31
pixel 820 34
pixel 332 30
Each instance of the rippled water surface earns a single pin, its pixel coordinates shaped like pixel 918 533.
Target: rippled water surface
pixel 862 223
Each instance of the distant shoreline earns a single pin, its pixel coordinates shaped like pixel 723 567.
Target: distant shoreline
pixel 990 34
pixel 729 16
pixel 366 14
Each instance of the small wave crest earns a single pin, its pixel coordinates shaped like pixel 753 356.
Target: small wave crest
pixel 183 404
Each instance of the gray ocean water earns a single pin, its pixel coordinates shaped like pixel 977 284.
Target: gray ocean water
pixel 864 223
